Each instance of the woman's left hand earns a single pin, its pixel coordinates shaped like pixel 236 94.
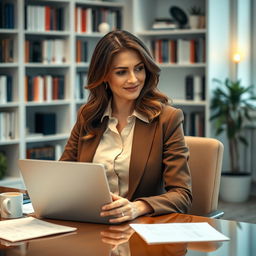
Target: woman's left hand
pixel 123 210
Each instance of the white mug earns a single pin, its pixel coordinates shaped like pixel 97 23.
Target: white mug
pixel 11 205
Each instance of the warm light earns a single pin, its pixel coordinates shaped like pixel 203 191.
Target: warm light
pixel 237 58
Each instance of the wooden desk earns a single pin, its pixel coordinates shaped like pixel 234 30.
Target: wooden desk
pixel 105 240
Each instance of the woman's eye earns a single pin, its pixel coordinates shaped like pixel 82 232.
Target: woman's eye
pixel 140 68
pixel 121 72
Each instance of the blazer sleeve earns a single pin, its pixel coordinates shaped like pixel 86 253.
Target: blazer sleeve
pixel 175 172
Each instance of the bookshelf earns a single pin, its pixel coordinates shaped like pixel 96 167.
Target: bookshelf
pixel 46 75
pixel 137 16
pixel 172 51
pixel 215 37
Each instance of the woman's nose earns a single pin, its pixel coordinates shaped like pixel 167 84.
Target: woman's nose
pixel 132 77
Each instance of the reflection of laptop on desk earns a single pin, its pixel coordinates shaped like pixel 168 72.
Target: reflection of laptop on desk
pixel 66 190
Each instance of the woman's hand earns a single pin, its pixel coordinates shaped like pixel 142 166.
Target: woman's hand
pixel 123 210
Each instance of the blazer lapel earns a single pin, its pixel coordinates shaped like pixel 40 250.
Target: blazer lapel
pixel 89 146
pixel 142 143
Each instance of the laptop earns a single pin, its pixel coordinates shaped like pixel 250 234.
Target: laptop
pixel 66 190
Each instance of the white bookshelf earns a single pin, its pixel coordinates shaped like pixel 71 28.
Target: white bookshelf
pixel 137 17
pixel 65 109
pixel 172 77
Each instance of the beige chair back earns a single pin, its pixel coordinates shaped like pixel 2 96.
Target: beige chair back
pixel 205 162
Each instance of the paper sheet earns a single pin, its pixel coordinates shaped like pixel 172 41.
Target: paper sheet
pixel 178 232
pixel 27 208
pixel 27 228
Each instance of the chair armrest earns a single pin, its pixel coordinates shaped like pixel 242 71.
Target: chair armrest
pixel 215 214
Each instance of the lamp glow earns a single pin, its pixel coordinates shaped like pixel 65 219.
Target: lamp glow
pixel 237 57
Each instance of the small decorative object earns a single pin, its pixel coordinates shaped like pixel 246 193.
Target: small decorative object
pixel 231 105
pixel 179 16
pixel 164 23
pixel 196 18
pixel 3 165
pixel 104 27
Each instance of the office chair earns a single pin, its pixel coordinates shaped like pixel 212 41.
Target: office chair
pixel 205 162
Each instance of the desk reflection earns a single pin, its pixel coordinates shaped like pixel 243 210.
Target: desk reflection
pixel 121 240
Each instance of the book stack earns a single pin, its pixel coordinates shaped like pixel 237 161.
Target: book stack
pixel 194 123
pixel 6 15
pixel 6 89
pixel 81 80
pixel 48 152
pixel 87 20
pixel 195 87
pixel 164 23
pixel 44 18
pixel 7 126
pixel 197 124
pixel 81 51
pixel 45 51
pixel 44 88
pixel 6 50
pixel 180 51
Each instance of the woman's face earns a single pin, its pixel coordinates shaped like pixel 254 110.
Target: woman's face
pixel 127 76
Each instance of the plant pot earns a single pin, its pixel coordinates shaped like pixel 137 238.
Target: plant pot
pixel 235 188
pixel 194 21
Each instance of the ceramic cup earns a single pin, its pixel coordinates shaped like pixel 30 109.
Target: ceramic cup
pixel 11 205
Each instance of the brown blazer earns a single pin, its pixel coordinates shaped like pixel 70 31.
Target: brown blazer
pixel 159 172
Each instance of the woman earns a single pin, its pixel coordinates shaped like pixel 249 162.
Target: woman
pixel 128 126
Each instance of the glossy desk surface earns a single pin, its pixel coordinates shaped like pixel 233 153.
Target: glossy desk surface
pixel 105 240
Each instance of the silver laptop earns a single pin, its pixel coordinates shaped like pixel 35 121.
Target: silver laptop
pixel 66 190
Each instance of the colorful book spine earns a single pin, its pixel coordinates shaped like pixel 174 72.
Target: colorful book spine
pixel 181 51
pixel 44 18
pixel 6 89
pixel 44 88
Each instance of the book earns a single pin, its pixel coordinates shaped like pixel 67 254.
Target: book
pixel 195 87
pixel 45 123
pixel 189 87
pixel 164 23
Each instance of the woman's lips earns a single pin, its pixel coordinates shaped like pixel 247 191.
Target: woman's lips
pixel 131 88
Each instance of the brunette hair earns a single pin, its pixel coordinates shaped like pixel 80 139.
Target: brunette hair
pixel 150 100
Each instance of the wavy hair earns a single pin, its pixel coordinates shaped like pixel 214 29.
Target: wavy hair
pixel 150 100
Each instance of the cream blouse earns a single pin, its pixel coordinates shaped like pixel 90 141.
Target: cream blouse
pixel 114 151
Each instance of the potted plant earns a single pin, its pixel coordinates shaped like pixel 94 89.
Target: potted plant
pixel 196 18
pixel 3 165
pixel 231 105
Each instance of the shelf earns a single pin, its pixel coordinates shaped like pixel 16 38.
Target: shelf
pixel 80 101
pixel 42 138
pixel 8 65
pixel 47 103
pixel 9 142
pixel 189 102
pixel 50 65
pixel 82 65
pixel 8 31
pixel 100 3
pixel 91 35
pixel 166 32
pixel 182 65
pixel 47 33
pixel 9 105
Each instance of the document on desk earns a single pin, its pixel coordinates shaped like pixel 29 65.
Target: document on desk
pixel 178 232
pixel 28 228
